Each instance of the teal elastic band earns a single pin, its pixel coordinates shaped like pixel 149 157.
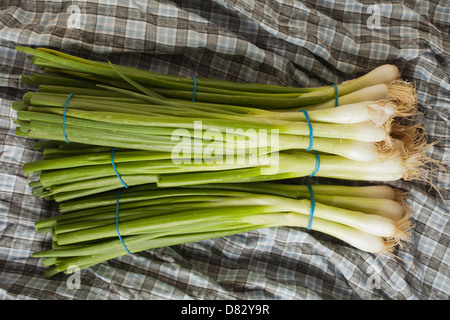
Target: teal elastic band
pixel 316 169
pixel 64 117
pixel 313 206
pixel 310 130
pixel 311 138
pixel 114 167
pixel 336 95
pixel 117 222
pixel 195 88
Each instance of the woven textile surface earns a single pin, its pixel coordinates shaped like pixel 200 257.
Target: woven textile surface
pixel 292 43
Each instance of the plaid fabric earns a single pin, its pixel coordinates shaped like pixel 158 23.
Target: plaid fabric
pixel 295 43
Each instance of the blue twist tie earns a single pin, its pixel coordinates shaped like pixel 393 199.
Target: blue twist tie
pixel 114 167
pixel 195 88
pixel 313 205
pixel 117 223
pixel 310 131
pixel 316 169
pixel 64 117
pixel 336 95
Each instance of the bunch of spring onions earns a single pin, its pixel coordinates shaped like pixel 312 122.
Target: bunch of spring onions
pixel 199 156
pixel 373 219
pixel 94 75
pixel 69 170
pixel 161 137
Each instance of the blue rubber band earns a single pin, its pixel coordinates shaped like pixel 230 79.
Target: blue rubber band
pixel 114 167
pixel 117 223
pixel 313 205
pixel 64 117
pixel 336 95
pixel 310 131
pixel 316 169
pixel 195 89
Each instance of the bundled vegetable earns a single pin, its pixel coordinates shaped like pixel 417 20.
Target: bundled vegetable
pixel 174 142
pixel 198 157
pixel 209 90
pixel 70 171
pixel 92 230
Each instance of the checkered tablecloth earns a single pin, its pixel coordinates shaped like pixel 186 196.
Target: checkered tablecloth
pixel 295 43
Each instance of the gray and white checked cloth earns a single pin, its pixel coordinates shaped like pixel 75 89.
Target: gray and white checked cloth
pixel 294 43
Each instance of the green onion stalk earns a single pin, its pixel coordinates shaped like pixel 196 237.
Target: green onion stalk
pixel 373 219
pixel 381 83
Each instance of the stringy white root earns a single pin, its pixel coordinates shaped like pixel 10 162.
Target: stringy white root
pixel 403 102
pixel 415 150
pixel 403 93
pixel 404 226
pixel 388 249
pixel 403 230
